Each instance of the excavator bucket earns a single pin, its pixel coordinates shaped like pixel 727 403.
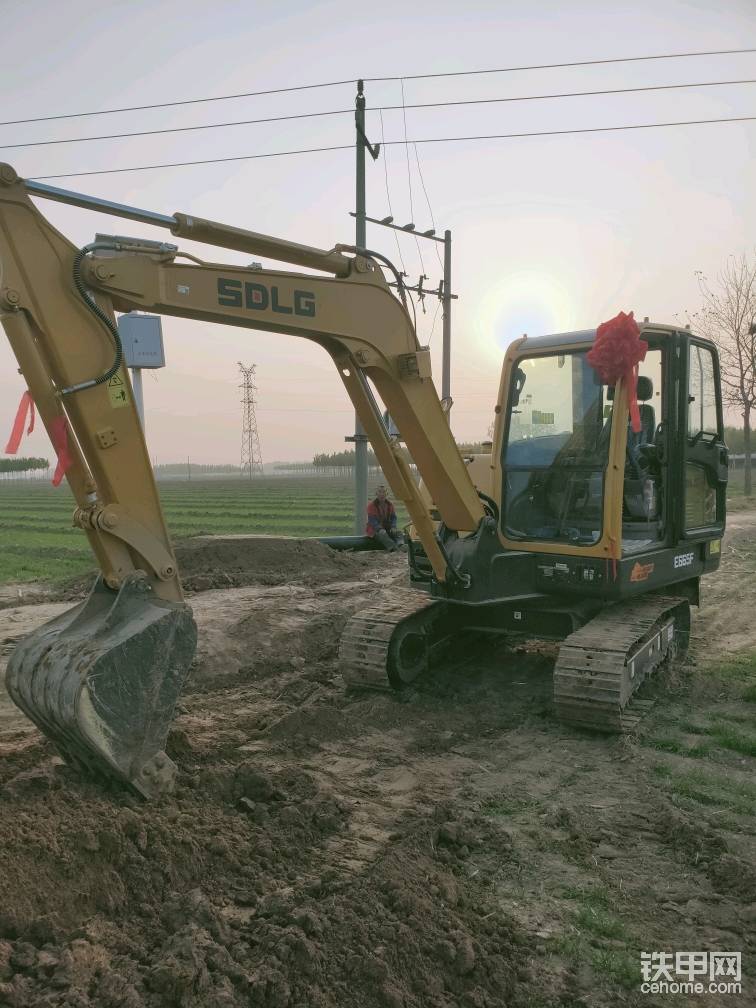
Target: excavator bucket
pixel 102 680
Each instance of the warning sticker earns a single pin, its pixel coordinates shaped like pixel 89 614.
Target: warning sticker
pixel 117 391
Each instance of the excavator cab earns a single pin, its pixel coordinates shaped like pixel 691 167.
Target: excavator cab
pixel 577 478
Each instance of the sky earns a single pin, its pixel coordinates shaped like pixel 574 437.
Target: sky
pixel 550 233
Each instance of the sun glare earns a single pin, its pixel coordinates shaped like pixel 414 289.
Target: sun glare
pixel 527 301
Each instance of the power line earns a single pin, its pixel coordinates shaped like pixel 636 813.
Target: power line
pixel 558 66
pixel 430 208
pixel 179 129
pixel 563 94
pixel 376 108
pixel 392 143
pixel 325 84
pixel 174 104
pixel 433 326
pixel 189 164
pixel 388 197
pixel 409 186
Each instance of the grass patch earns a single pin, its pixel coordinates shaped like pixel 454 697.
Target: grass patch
pixel 734 670
pixel 593 914
pixel 734 739
pixel 599 922
pixel 679 746
pixel 597 896
pixel 571 946
pixel 728 732
pixel 749 694
pixel 710 789
pixel 503 806
pixel 39 567
pixel 618 965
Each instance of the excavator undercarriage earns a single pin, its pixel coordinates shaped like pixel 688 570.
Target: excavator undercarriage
pixel 600 666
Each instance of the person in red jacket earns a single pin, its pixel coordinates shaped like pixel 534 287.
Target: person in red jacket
pixel 381 521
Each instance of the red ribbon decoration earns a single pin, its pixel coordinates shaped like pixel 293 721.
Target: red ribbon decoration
pixel 25 407
pixel 59 438
pixel 616 353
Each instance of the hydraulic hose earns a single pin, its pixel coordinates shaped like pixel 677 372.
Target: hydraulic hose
pixel 103 318
pixel 369 254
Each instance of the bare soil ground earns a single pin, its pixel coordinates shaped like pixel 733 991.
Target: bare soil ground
pixel 454 846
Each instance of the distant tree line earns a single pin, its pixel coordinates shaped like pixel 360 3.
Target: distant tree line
pixel 181 469
pixel 735 440
pixel 345 459
pixel 474 448
pixel 341 460
pixel 19 465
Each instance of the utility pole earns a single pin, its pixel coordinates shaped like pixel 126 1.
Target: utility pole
pixel 443 292
pixel 251 456
pixel 359 437
pixel 136 386
pixel 446 301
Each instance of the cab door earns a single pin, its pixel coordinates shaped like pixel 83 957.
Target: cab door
pixel 705 457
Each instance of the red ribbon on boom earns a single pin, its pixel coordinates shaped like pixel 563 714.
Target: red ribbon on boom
pixel 25 408
pixel 59 438
pixel 616 353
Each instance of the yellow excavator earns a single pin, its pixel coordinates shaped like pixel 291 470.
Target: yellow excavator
pixel 578 527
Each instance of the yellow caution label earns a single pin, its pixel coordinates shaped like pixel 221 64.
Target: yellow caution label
pixel 117 391
pixel 714 546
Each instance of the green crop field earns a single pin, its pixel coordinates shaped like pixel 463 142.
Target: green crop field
pixel 38 542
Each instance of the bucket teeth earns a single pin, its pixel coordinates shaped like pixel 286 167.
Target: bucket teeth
pixel 102 680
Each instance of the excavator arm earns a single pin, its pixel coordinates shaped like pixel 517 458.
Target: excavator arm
pixel 102 681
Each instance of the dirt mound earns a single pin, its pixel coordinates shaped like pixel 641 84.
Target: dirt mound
pixel 232 561
pixel 207 562
pixel 228 895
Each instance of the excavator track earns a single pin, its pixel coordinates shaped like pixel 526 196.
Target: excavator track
pixel 602 665
pixel 388 645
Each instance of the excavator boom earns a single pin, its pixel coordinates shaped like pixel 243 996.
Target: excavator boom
pixel 102 681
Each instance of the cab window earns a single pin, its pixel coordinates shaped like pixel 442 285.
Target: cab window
pixel 556 450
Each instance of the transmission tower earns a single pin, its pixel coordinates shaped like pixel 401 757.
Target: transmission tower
pixel 251 456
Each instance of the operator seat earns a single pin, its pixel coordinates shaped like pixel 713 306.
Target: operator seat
pixel 644 392
pixel 645 435
pixel 643 473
